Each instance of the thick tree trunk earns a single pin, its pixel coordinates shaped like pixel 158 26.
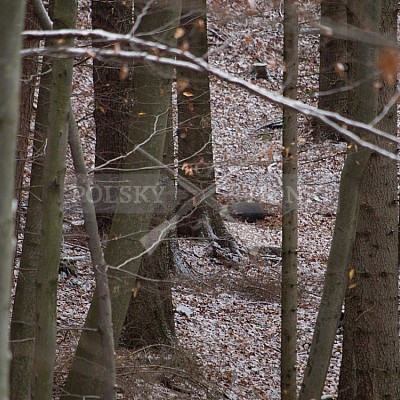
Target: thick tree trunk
pixel 195 156
pixel 132 218
pixel 370 344
pixel 150 316
pixel 11 24
pixel 63 13
pixel 333 68
pixel 113 93
pixel 289 207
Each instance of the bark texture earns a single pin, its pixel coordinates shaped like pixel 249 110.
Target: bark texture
pixel 333 70
pixel 11 23
pixel 289 207
pixel 150 316
pixel 22 330
pixel 197 208
pixel 99 265
pixel 28 84
pixel 24 310
pixel 63 13
pixel 113 92
pixel 195 156
pixel 363 108
pixel 370 344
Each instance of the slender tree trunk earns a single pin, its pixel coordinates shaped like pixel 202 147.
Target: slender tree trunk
pixel 28 85
pixel 333 68
pixel 289 207
pixel 131 221
pixel 336 274
pixel 63 12
pixel 11 24
pixel 24 309
pixel 99 265
pixel 363 106
pixel 22 332
pixel 370 344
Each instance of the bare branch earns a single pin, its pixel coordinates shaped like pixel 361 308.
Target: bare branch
pixel 332 119
pixel 41 14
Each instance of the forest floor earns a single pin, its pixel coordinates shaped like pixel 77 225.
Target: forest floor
pixel 228 317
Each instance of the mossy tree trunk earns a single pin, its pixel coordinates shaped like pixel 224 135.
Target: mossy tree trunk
pixel 22 330
pixel 150 317
pixel 63 13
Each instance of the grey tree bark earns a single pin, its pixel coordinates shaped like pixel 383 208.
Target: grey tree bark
pixel 63 13
pixel 150 316
pixel 370 357
pixel 333 68
pixel 114 93
pixel 113 96
pixel 195 155
pixel 11 24
pixel 289 206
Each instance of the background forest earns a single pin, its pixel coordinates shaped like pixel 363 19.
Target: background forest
pixel 200 200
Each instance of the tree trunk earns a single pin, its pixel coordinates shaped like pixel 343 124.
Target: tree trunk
pixel 113 95
pixel 289 207
pixel 133 215
pixel 363 106
pixel 11 24
pixel 99 265
pixel 195 153
pixel 333 68
pixel 150 316
pixel 370 344
pixel 63 14
pixel 195 157
pixel 24 309
pixel 28 84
